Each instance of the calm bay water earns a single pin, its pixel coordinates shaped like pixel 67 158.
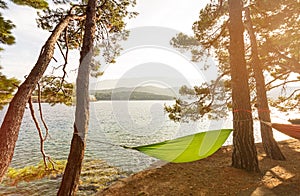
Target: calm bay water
pixel 109 128
pixel 112 124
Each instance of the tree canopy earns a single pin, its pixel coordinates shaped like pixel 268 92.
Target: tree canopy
pixel 275 25
pixel 6 25
pixel 8 85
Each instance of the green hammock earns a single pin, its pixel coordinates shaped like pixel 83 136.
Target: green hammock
pixel 187 149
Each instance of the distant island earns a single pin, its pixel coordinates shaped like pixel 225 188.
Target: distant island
pixel 140 93
pixel 131 96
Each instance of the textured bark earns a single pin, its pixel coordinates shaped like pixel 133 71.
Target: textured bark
pixel 73 169
pixel 12 121
pixel 244 154
pixel 72 172
pixel 270 145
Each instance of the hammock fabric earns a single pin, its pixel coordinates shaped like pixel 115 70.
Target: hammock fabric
pixel 187 149
pixel 290 130
pixel 201 145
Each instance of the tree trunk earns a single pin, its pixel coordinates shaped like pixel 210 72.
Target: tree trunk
pixel 73 169
pixel 244 154
pixel 270 145
pixel 12 121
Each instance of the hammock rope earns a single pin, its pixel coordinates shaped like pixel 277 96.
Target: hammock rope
pixel 288 129
pixel 201 145
pixel 188 148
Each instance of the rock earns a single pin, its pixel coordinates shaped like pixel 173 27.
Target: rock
pixel 88 188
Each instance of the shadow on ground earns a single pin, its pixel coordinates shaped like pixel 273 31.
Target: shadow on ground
pixel 215 176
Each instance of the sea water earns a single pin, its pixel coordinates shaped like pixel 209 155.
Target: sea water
pixel 113 124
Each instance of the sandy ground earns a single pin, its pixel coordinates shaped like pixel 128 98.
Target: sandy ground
pixel 215 176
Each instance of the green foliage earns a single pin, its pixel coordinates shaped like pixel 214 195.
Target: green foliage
pixel 111 16
pixel 54 91
pixel 6 36
pixel 184 90
pixel 211 22
pixel 7 86
pixel 3 5
pixel 6 26
pixel 199 101
pixel 188 43
pixel 110 28
pixel 30 173
pixel 276 26
pixel 61 1
pixel 37 4
pixel 95 64
pixel 174 111
pixel 279 33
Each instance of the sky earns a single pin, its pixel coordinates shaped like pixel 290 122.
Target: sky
pixel 170 16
